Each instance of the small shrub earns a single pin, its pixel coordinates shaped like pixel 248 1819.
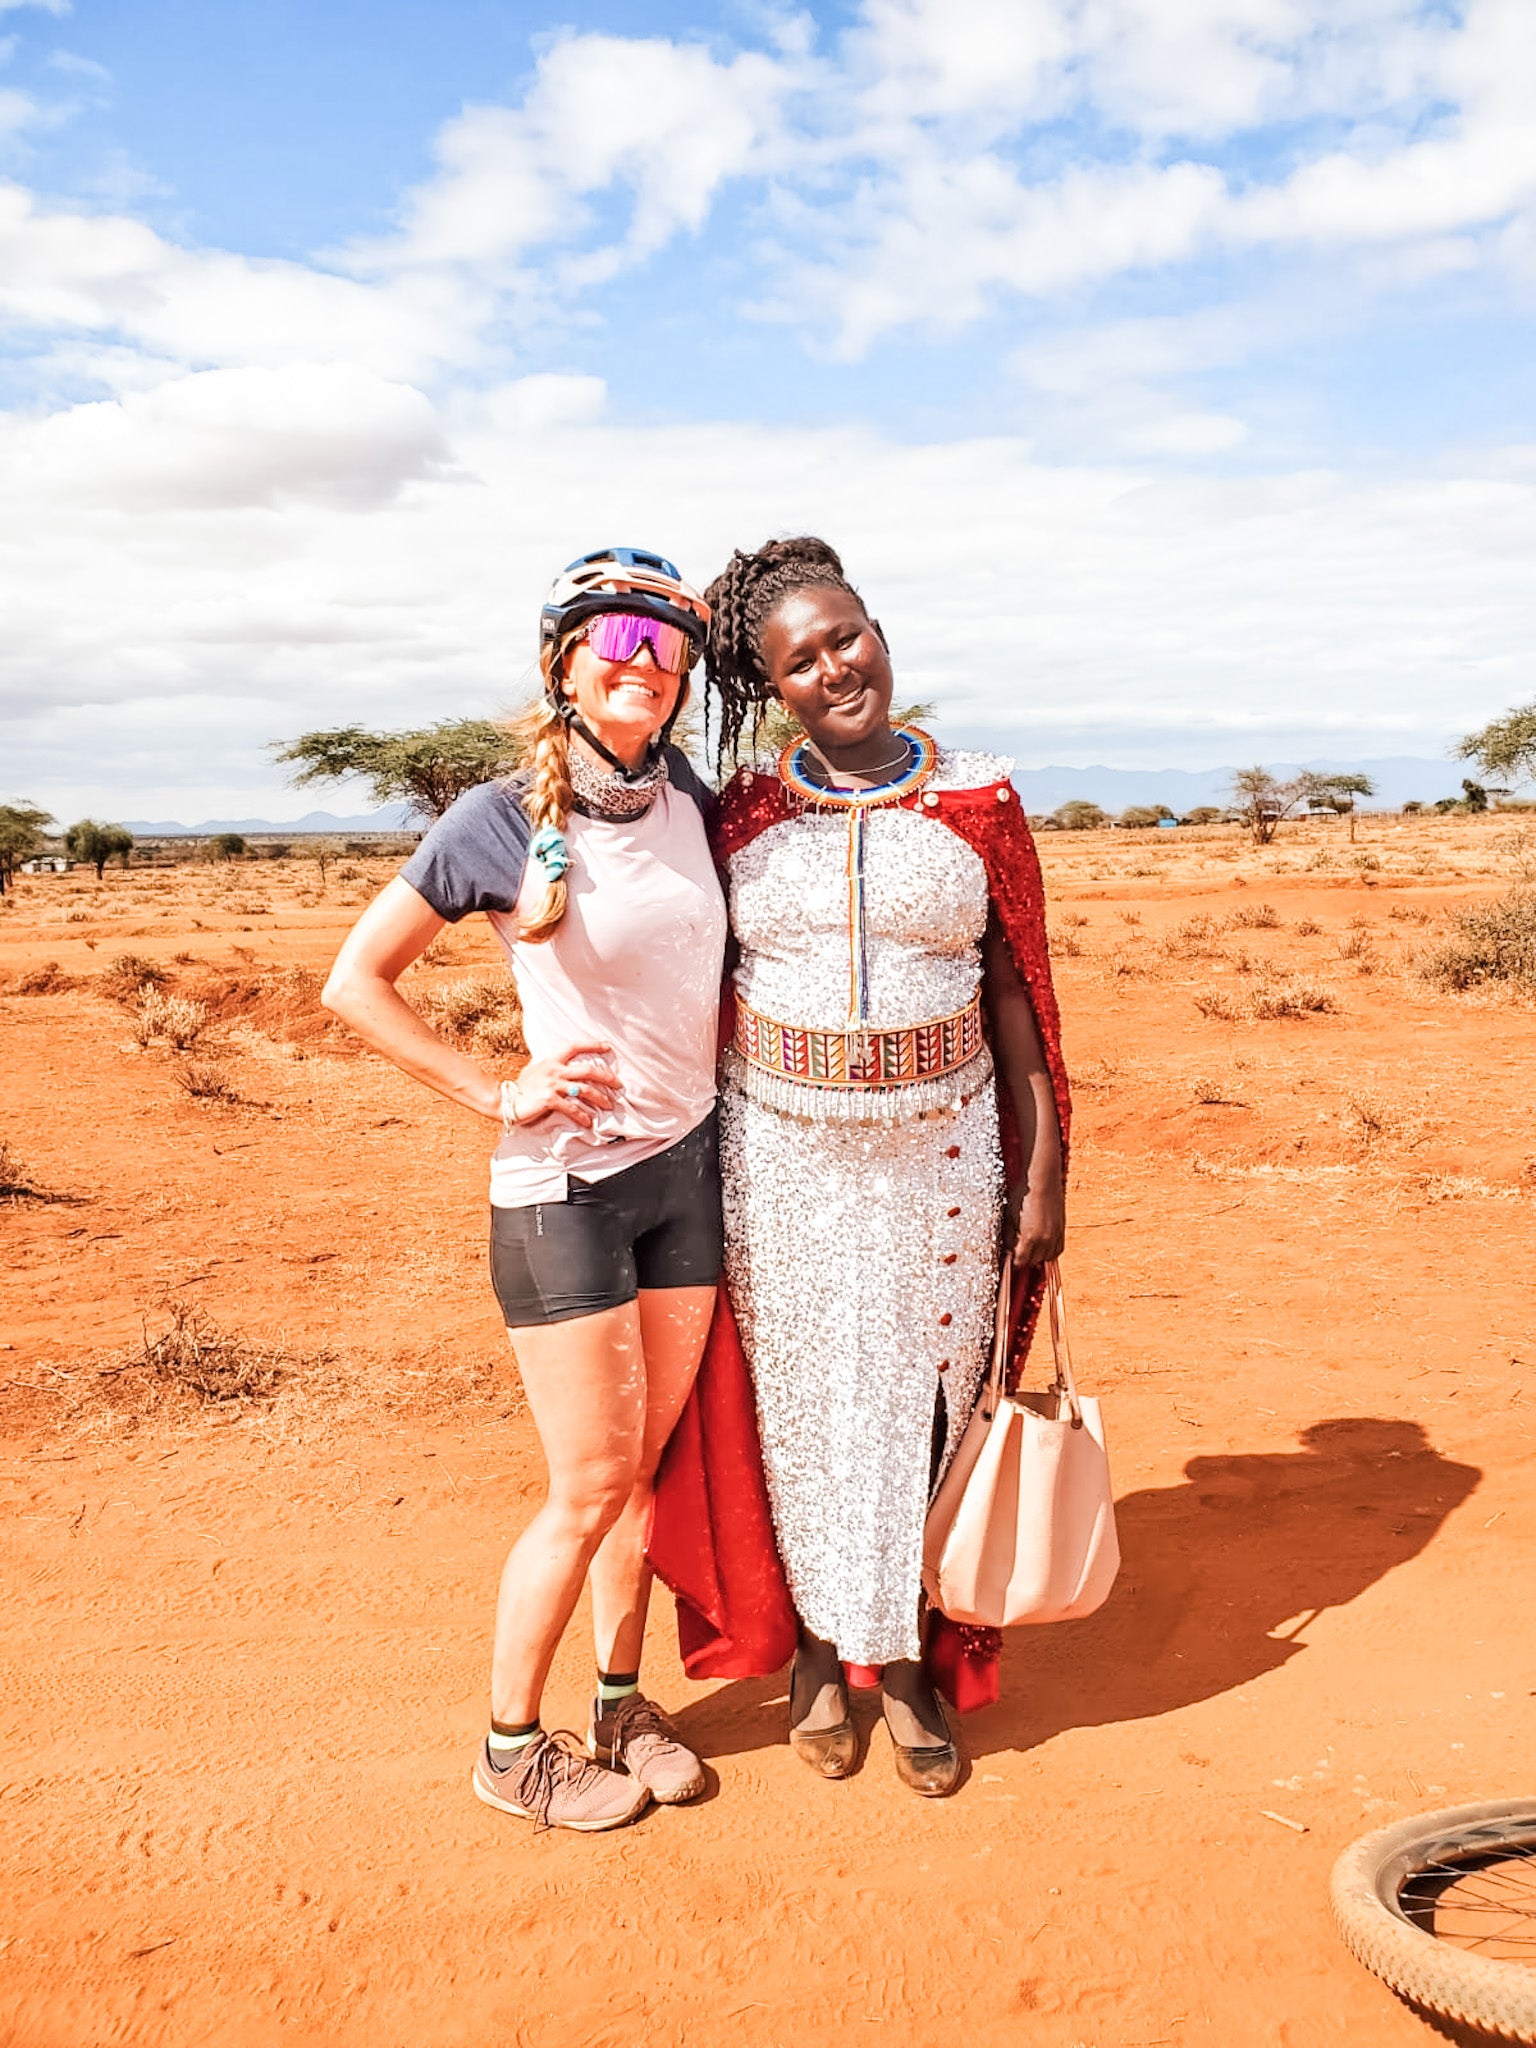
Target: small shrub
pixel 1357 944
pixel 1367 863
pixel 1132 917
pixel 1408 913
pixel 124 978
pixel 1215 1093
pixel 174 1019
pixel 1495 943
pixel 1298 998
pixel 47 980
pixel 1215 1002
pixel 205 1082
pixel 1075 918
pixel 1376 1120
pixel 500 1037
pixel 1066 945
pixel 1306 927
pixel 458 1008
pixel 1193 939
pixel 16 1183
pixel 1257 917
pixel 194 1356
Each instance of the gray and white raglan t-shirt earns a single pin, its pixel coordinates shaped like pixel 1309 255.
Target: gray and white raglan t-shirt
pixel 635 964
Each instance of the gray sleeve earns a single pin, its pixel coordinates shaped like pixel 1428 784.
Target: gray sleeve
pixel 473 857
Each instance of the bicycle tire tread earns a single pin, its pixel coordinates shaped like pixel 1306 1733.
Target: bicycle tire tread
pixel 1495 1998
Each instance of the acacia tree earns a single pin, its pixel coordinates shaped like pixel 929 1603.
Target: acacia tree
pixel 427 769
pixel 1337 793
pixel 21 836
pixel 1262 800
pixel 87 840
pixel 1504 749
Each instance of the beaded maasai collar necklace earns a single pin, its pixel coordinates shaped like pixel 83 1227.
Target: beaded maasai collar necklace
pixel 923 759
pixel 858 803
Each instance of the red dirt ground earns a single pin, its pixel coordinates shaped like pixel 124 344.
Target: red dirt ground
pixel 244 1658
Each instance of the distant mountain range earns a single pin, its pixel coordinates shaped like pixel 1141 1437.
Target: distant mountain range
pixel 393 818
pixel 1398 778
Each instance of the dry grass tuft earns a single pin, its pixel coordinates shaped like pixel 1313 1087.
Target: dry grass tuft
pixel 205 1082
pixel 16 1183
pixel 172 1020
pixel 47 980
pixel 1216 1092
pixel 477 1009
pixel 1276 995
pixel 124 978
pixel 1299 998
pixel 1216 1003
pixel 1377 1121
pixel 1257 917
pixel 1195 938
pixel 1306 927
pixel 194 1358
pixel 1494 944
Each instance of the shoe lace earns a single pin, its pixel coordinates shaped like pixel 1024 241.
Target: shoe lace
pixel 559 1761
pixel 636 1717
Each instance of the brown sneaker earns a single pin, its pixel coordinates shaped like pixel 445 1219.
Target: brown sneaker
pixel 634 1735
pixel 552 1784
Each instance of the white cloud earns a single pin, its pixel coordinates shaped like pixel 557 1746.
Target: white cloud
pixel 59 7
pixel 159 634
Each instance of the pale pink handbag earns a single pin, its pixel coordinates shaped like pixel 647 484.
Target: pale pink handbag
pixel 1023 1527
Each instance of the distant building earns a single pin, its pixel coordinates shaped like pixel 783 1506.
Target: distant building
pixel 47 864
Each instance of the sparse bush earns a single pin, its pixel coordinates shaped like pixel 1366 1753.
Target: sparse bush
pixel 174 1019
pixel 1357 943
pixel 1194 938
pixel 1408 913
pixel 205 1082
pixel 1258 917
pixel 227 846
pixel 1213 1092
pixel 459 1009
pixel 124 978
pixel 16 1183
pixel 47 980
pixel 1299 998
pixel 1203 814
pixel 1367 863
pixel 500 1037
pixel 1375 1120
pixel 1306 927
pixel 1495 943
pixel 1216 1003
pixel 1143 817
pixel 194 1356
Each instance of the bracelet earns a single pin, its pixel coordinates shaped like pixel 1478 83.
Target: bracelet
pixel 509 1106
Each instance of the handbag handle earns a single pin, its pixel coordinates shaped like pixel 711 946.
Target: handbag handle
pixel 1002 1329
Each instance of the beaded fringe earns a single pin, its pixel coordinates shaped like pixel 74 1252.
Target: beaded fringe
pixel 887 1105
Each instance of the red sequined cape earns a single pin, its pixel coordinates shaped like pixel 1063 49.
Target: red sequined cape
pixel 712 1533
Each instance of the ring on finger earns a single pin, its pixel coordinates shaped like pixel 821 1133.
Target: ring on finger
pixel 573 1089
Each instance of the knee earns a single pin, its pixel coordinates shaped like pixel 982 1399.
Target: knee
pixel 587 1503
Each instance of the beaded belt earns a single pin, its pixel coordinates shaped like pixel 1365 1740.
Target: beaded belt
pixel 860 1059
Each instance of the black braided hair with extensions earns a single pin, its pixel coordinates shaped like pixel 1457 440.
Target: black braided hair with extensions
pixel 742 598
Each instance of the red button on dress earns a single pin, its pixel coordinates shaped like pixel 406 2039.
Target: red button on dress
pixel 951 1212
pixel 945 1320
pixel 953 1152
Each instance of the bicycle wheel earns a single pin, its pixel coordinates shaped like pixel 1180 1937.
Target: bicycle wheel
pixel 1443 1908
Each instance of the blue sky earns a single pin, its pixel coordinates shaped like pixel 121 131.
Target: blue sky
pixel 1163 368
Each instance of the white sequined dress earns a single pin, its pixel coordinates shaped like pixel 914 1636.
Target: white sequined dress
pixel 861 1255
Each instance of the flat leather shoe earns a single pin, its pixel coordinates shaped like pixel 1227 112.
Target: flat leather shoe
pixel 933 1771
pixel 830 1752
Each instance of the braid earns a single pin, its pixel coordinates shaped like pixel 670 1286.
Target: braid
pixel 549 798
pixel 742 598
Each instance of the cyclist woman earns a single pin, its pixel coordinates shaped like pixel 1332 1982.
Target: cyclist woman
pixel 895 1108
pixel 593 867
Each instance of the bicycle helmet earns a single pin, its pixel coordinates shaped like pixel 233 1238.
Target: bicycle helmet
pixel 623 580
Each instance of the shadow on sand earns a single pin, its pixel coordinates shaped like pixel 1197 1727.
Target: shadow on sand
pixel 1220 1574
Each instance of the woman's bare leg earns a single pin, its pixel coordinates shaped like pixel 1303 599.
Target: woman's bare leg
pixel 674 1323
pixel 586 1386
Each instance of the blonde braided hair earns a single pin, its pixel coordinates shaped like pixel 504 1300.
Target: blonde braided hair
pixel 548 800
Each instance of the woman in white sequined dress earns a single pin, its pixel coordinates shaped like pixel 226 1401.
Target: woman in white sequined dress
pixel 864 1185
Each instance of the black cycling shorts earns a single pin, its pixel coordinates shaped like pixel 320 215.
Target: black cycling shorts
pixel 657 1224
